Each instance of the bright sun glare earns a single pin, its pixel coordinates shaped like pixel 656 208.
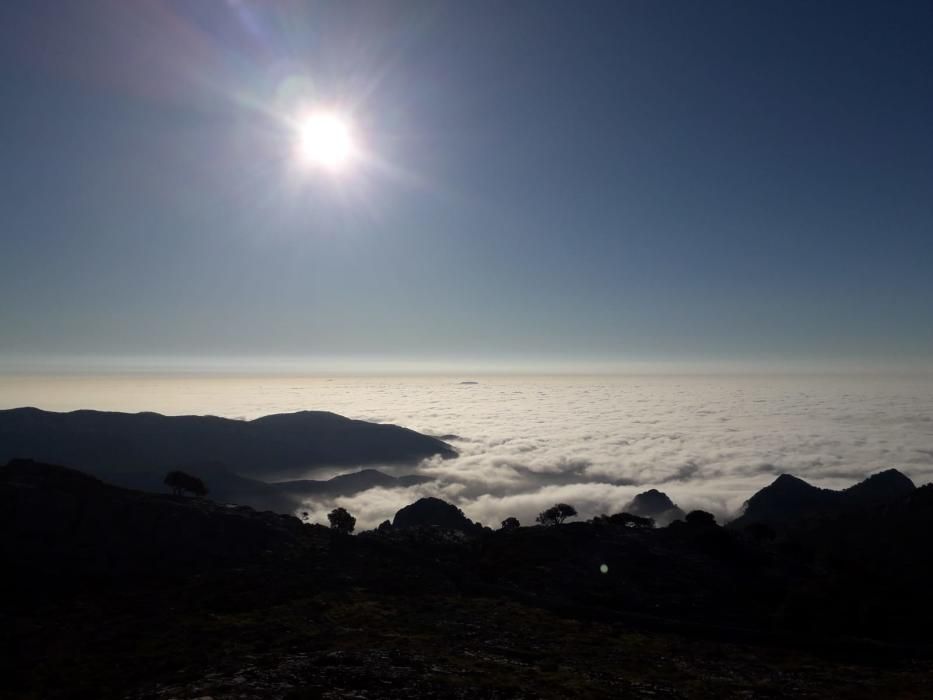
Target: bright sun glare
pixel 326 140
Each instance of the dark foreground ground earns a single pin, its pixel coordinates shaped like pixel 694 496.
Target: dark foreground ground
pixel 365 646
pixel 118 594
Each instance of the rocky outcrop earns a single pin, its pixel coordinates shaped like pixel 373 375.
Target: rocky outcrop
pixel 433 512
pixel 656 505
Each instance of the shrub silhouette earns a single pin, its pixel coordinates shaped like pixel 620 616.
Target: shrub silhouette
pixel 341 520
pixel 629 520
pixel 556 514
pixel 510 523
pixel 700 518
pixel 384 527
pixel 180 482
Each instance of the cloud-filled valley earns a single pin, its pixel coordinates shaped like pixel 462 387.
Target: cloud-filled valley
pixel 526 443
pixel 708 442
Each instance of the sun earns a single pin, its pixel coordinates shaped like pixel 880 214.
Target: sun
pixel 326 139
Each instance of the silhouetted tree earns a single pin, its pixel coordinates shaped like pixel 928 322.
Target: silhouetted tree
pixel 556 514
pixel 180 482
pixel 384 527
pixel 341 520
pixel 174 481
pixel 700 518
pixel 510 523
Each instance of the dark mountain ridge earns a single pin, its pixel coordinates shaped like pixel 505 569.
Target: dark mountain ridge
pixel 789 499
pixel 272 447
pixel 349 484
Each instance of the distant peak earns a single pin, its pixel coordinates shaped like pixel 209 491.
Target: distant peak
pixel 889 475
pixel 789 480
pixel 654 498
pixel 885 483
pixel 653 504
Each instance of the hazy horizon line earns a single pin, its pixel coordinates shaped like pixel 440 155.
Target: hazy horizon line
pixel 346 366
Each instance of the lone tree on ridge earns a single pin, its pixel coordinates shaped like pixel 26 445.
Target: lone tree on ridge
pixel 556 514
pixel 510 523
pixel 180 483
pixel 341 520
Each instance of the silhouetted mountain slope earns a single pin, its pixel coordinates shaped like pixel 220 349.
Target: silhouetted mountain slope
pixel 279 496
pixel 276 446
pixel 656 505
pixel 789 499
pixel 348 484
pixel 60 522
pixel 116 593
pixel 224 486
pixel 883 487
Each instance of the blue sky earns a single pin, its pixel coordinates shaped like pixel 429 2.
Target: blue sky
pixel 587 184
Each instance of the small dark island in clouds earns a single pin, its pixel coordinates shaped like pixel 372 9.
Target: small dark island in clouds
pixel 435 349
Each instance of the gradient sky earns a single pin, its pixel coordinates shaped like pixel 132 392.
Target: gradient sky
pixel 576 183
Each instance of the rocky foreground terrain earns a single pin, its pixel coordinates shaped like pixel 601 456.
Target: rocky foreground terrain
pixel 112 593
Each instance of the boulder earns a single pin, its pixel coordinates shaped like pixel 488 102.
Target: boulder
pixel 656 505
pixel 433 512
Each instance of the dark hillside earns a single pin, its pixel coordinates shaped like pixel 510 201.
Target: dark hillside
pixel 276 446
pixel 119 593
pixel 789 500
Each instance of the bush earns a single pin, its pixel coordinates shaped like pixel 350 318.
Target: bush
pixel 510 523
pixel 629 520
pixel 556 514
pixel 341 520
pixel 180 482
pixel 700 518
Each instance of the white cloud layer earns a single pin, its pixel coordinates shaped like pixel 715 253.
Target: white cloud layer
pixel 527 442
pixel 708 442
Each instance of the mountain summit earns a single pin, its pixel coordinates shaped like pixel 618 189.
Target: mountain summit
pixel 656 505
pixel 788 498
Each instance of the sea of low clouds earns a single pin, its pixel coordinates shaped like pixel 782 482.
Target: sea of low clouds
pixel 526 443
pixel 707 442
